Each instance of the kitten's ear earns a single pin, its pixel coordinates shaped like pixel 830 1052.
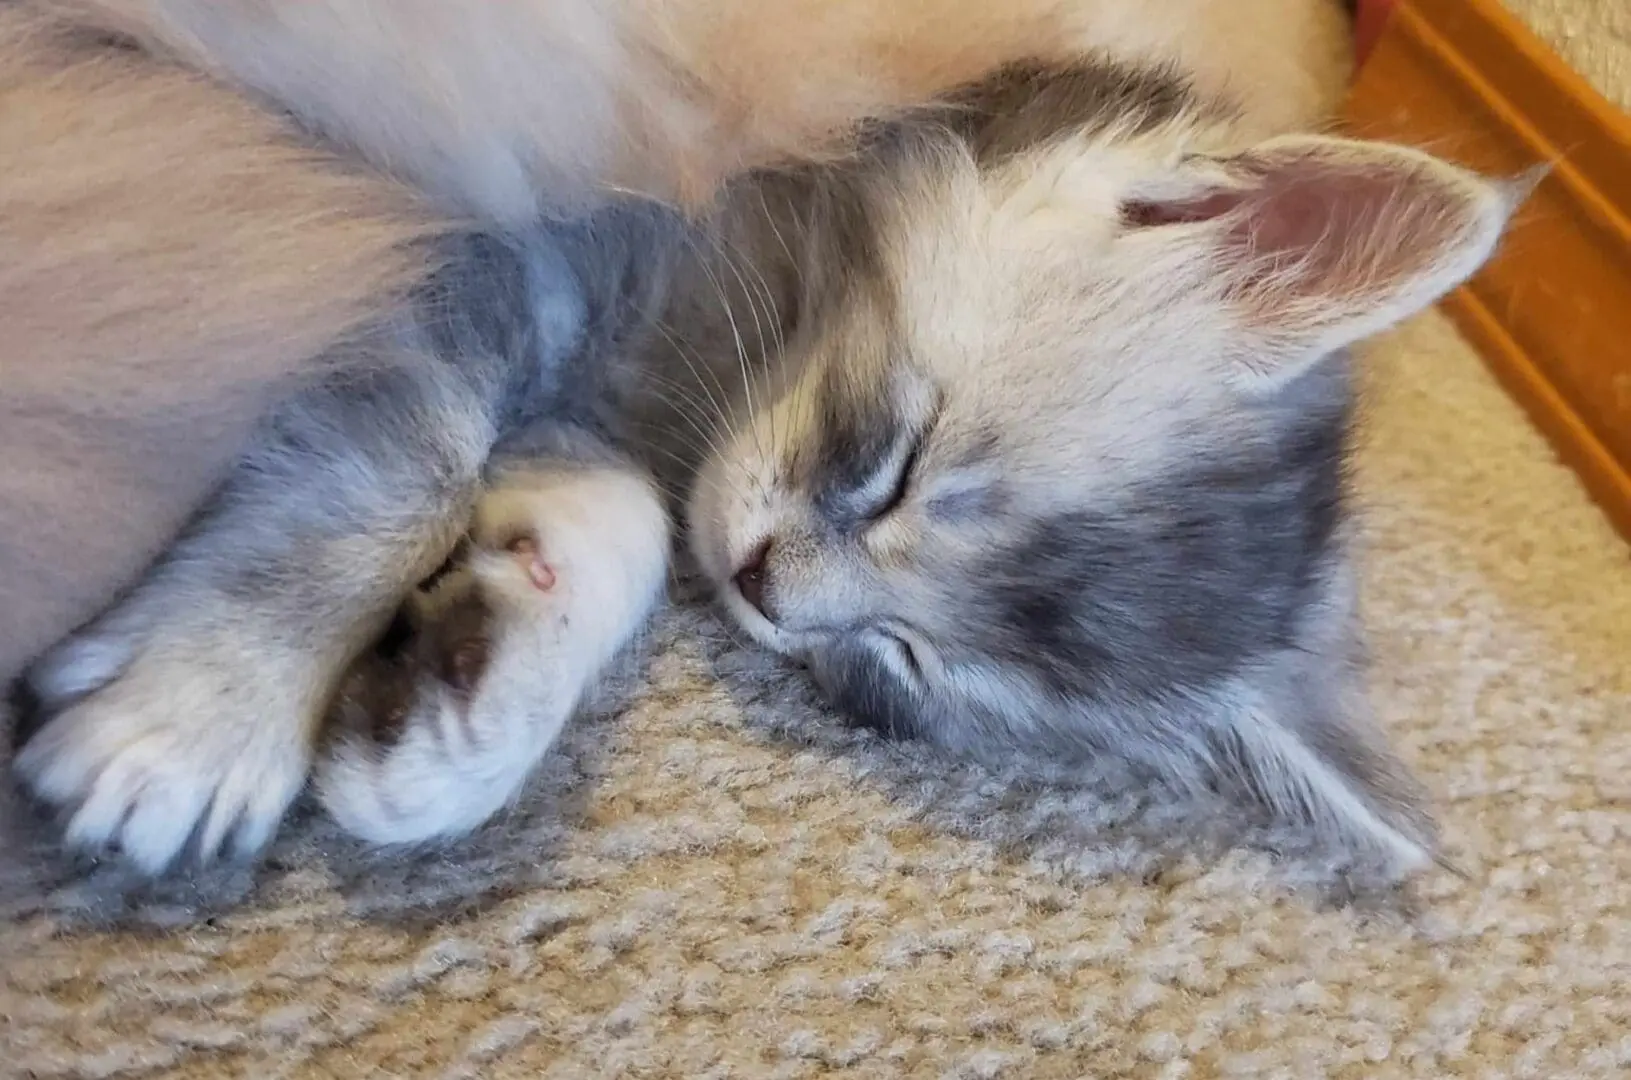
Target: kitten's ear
pixel 1324 241
pixel 1320 765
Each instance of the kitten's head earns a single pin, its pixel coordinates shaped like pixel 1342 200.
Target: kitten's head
pixel 1063 466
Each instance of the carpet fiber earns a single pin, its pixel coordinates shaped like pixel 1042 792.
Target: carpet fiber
pixel 711 880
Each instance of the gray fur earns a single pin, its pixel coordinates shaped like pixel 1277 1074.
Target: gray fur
pixel 1097 557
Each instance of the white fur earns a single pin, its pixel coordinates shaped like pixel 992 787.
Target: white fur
pixel 178 743
pixel 503 109
pixel 1293 774
pixel 603 534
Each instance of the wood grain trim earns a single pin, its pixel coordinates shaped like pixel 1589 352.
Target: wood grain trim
pixel 1551 313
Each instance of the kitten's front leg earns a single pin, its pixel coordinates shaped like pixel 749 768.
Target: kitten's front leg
pixel 567 561
pixel 187 713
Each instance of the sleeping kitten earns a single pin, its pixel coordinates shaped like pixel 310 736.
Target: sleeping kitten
pixel 1051 457
pixel 1037 410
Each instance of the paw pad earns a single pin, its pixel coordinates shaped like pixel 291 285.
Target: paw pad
pixel 540 573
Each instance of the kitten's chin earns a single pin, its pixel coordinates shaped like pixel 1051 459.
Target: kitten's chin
pixel 763 632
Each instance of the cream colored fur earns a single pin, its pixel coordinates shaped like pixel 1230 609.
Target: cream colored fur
pixel 174 258
pixel 506 109
pixel 171 261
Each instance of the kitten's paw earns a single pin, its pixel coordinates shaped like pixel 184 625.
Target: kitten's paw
pixel 435 736
pixel 443 733
pixel 178 744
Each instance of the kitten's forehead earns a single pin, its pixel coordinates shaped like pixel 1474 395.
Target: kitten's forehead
pixel 1055 347
pixel 900 270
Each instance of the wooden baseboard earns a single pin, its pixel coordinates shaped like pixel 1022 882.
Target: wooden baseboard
pixel 1370 20
pixel 1551 313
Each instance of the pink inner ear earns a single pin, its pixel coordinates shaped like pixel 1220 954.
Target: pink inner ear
pixel 1343 228
pixel 1148 215
pixel 1340 229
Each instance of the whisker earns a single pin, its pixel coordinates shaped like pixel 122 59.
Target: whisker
pixel 777 340
pixel 684 394
pixel 687 465
pixel 719 407
pixel 736 335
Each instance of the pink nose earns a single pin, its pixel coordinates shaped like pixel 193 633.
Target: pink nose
pixel 750 578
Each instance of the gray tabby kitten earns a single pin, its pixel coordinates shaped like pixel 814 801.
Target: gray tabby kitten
pixel 1024 429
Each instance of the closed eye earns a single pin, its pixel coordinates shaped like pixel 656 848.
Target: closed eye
pixel 900 484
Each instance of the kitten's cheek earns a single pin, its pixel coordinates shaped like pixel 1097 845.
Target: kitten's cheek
pixel 703 533
pixel 706 540
pixel 761 630
pixel 710 532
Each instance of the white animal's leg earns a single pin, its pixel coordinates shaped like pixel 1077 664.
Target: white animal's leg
pixel 566 564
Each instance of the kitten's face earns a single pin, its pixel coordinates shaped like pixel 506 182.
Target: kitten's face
pixel 1035 469
pixel 980 494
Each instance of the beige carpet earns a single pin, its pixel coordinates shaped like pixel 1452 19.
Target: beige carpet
pixel 1593 36
pixel 714 883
